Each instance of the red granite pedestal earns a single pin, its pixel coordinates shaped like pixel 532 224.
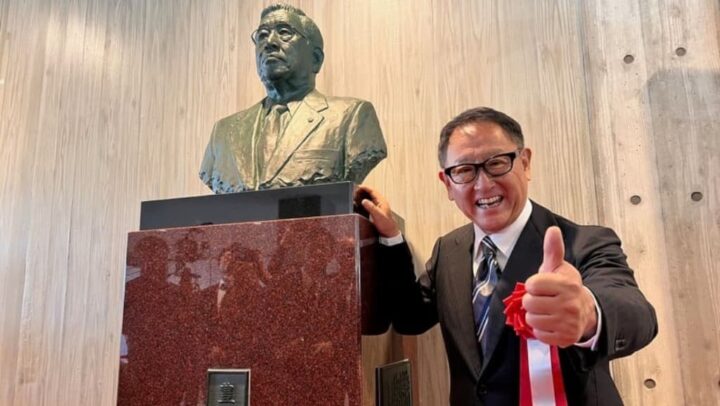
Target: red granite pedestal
pixel 281 298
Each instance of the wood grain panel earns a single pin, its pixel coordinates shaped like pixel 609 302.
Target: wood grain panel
pixel 4 7
pixel 69 166
pixel 105 103
pixel 18 134
pixel 115 146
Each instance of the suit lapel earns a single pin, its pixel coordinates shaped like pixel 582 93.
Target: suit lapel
pixel 303 123
pixel 460 322
pixel 250 124
pixel 524 261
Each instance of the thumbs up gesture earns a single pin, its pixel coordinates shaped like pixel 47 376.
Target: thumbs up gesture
pixel 559 308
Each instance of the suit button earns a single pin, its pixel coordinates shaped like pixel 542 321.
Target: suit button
pixel 310 119
pixel 482 390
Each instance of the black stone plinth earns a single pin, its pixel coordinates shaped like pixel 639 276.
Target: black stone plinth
pixel 273 204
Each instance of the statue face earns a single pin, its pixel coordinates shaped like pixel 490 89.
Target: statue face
pixel 278 54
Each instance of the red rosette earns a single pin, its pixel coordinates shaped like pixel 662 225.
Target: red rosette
pixel 515 313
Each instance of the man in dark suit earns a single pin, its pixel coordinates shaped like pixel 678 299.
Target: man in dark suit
pixel 296 135
pixel 581 294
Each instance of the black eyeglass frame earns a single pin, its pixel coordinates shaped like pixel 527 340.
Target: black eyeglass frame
pixel 272 28
pixel 481 166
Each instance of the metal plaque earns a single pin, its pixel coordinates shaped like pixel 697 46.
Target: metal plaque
pixel 394 384
pixel 228 387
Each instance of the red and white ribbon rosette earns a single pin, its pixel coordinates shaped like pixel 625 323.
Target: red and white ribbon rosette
pixel 541 381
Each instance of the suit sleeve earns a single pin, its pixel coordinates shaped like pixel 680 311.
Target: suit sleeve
pixel 364 143
pixel 411 300
pixel 629 322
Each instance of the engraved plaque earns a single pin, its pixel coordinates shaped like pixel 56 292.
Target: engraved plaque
pixel 302 206
pixel 228 387
pixel 394 384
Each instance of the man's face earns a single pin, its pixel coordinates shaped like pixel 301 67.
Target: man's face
pixel 278 59
pixel 492 203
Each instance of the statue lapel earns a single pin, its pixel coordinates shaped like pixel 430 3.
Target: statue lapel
pixel 249 125
pixel 305 120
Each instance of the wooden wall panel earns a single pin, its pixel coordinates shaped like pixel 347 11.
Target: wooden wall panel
pixel 105 103
pixel 22 78
pixel 4 7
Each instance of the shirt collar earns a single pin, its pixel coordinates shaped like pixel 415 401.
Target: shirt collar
pixel 292 106
pixel 506 238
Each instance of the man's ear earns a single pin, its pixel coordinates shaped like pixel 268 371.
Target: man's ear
pixel 318 58
pixel 447 182
pixel 525 157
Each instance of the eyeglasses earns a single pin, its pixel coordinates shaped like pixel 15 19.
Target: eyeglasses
pixel 284 31
pixel 495 166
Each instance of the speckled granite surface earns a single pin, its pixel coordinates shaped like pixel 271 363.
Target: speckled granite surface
pixel 280 298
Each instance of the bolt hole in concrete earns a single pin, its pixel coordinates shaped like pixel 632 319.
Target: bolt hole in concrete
pixel 696 196
pixel 629 59
pixel 635 200
pixel 680 51
pixel 649 383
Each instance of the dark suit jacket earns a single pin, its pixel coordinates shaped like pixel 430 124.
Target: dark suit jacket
pixel 443 294
pixel 328 139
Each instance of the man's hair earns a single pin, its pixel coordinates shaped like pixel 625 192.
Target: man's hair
pixel 479 114
pixel 309 28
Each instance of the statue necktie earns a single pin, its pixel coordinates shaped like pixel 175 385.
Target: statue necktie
pixel 484 283
pixel 273 129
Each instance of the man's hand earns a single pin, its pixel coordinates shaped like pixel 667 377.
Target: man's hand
pixel 379 209
pixel 559 309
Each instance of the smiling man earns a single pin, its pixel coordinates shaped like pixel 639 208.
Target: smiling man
pixel 296 135
pixel 581 295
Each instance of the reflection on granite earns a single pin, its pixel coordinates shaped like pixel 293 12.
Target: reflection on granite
pixel 279 298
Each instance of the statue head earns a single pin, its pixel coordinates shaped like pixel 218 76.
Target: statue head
pixel 288 47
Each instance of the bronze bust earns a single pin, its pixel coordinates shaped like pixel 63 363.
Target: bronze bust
pixel 296 135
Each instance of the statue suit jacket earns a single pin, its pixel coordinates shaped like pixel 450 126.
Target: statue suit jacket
pixel 328 139
pixel 443 294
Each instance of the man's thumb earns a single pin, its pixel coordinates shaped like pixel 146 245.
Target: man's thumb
pixel 553 250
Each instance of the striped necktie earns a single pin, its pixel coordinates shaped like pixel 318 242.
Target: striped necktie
pixel 484 283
